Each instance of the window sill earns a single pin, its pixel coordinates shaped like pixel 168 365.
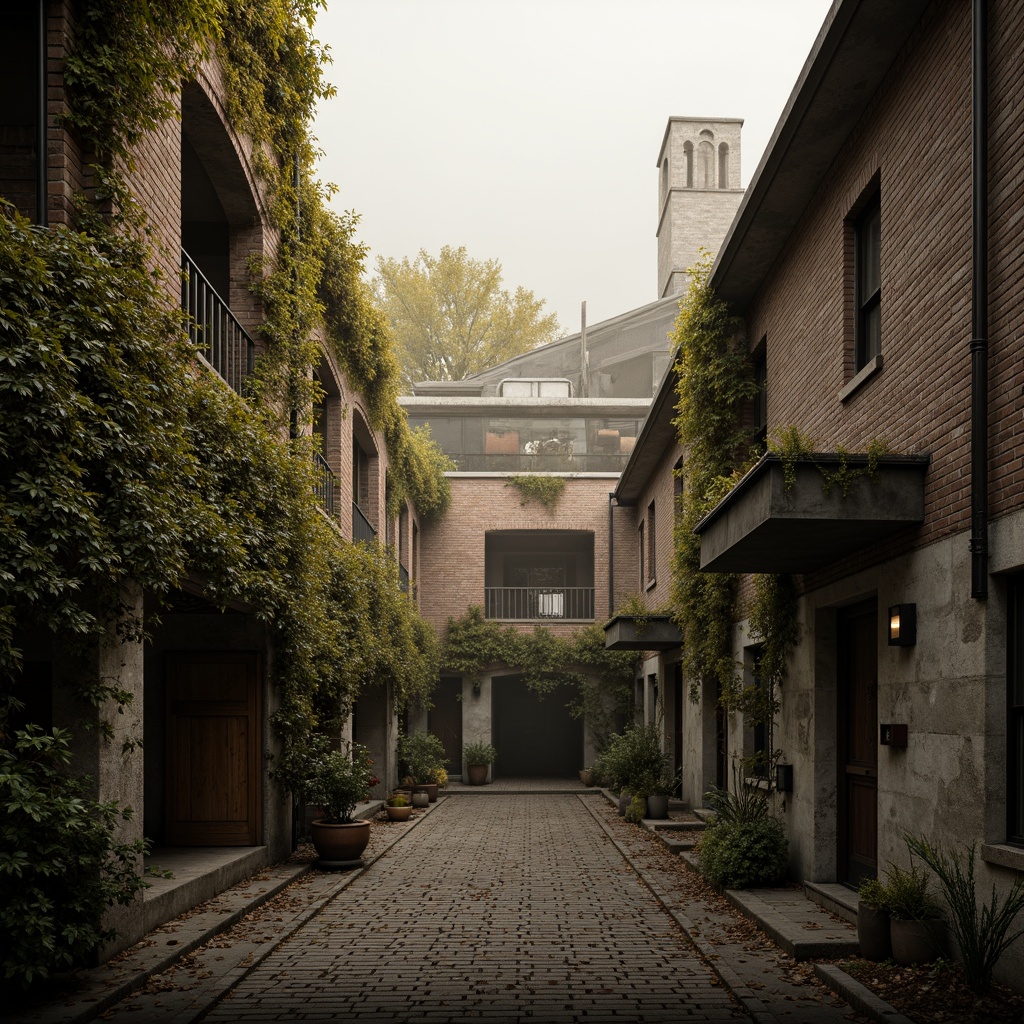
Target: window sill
pixel 1003 854
pixel 865 374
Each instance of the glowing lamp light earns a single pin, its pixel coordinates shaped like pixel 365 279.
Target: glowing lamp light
pixel 903 625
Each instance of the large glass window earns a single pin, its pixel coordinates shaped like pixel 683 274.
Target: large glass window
pixel 868 282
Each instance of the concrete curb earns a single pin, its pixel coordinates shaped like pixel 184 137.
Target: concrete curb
pixel 862 999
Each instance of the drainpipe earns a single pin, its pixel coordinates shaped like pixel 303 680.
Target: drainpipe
pixel 41 155
pixel 979 304
pixel 611 556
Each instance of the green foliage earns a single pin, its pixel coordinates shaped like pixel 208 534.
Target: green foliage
pixel 874 892
pixel 744 854
pixel 325 776
pixel 909 893
pixel 634 761
pixel 61 866
pixel 421 756
pixel 452 318
pixel 124 55
pixel 637 808
pixel 599 681
pixel 793 447
pixel 982 932
pixel 479 753
pixel 545 490
pixel 740 804
pixel 715 383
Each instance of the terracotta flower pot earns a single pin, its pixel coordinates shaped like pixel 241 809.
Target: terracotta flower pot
pixel 477 774
pixel 340 843
pixel 399 813
pixel 431 790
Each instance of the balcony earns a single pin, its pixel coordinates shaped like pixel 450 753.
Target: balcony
pixel 324 484
pixel 362 528
pixel 539 604
pixel 213 328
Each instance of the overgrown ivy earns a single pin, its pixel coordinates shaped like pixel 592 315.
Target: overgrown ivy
pixel 599 682
pixel 545 490
pixel 716 383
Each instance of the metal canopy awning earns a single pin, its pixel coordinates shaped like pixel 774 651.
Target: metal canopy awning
pixel 762 525
pixel 641 633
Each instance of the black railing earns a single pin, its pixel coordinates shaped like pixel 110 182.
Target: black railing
pixel 484 463
pixel 539 603
pixel 213 327
pixel 362 529
pixel 323 484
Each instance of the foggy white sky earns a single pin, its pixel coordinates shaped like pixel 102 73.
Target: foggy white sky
pixel 528 130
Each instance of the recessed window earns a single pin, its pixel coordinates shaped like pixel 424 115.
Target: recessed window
pixel 760 360
pixel 868 283
pixel 651 562
pixel 642 555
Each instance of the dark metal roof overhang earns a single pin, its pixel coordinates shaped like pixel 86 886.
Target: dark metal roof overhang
pixel 764 525
pixel 641 633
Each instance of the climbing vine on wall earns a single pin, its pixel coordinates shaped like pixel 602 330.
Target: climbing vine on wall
pixel 545 490
pixel 599 681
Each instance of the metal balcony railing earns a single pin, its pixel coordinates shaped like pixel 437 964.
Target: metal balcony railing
pixel 213 327
pixel 539 604
pixel 324 484
pixel 362 529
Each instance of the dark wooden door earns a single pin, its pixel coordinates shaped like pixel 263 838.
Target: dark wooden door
pixel 858 743
pixel 213 749
pixel 444 720
pixel 534 738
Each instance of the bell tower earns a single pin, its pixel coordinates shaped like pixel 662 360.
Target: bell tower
pixel 698 193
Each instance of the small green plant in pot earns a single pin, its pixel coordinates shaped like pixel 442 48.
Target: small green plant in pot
pixel 916 927
pixel 478 757
pixel 873 928
pixel 336 779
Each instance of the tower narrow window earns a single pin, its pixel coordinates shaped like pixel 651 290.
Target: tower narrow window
pixel 723 165
pixel 705 165
pixel 688 161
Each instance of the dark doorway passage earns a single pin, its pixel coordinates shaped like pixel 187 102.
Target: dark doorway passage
pixel 534 738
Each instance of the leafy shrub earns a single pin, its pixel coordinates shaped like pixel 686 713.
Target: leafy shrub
pixel 743 854
pixel 479 753
pixel 634 760
pixel 982 934
pixel 908 892
pixel 60 866
pixel 874 892
pixel 637 808
pixel 422 756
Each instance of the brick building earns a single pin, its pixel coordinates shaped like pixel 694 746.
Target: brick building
pixel 876 268
pixel 200 692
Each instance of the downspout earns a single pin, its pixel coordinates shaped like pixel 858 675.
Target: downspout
pixel 611 557
pixel 41 154
pixel 979 303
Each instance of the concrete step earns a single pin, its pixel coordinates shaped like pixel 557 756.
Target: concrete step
pixel 835 898
pixel 667 825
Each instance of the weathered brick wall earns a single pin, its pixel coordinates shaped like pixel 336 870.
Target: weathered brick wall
pixel 915 138
pixel 452 550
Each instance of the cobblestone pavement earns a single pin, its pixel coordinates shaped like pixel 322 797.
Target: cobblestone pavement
pixel 528 907
pixel 508 909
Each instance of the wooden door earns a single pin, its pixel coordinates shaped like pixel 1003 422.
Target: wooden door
pixel 213 749
pixel 858 743
pixel 444 720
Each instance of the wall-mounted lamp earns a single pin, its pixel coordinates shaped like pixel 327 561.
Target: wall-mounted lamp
pixel 903 625
pixel 476 687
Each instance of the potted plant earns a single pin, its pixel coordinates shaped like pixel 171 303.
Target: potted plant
pixel 422 757
pixel 873 929
pixel 916 923
pixel 335 779
pixel 398 807
pixel 661 788
pixel 478 757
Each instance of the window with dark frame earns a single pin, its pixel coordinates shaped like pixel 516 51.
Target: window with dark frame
pixel 868 282
pixel 651 573
pixel 642 553
pixel 760 361
pixel 1015 712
